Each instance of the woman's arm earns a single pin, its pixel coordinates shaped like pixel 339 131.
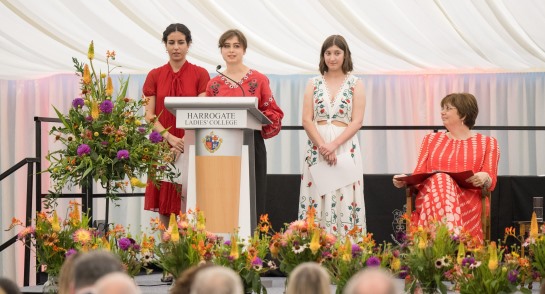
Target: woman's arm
pixel 488 175
pixel 358 110
pixel 308 116
pixel 151 117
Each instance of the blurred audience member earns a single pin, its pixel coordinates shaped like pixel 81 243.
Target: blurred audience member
pixel 371 281
pixel 217 280
pixel 309 278
pixel 66 275
pixel 182 285
pixel 116 283
pixel 92 266
pixel 8 286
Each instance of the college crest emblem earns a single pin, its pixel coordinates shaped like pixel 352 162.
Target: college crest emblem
pixel 212 142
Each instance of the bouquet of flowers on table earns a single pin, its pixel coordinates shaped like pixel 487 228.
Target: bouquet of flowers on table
pixel 356 252
pixel 184 243
pixel 301 241
pixel 104 137
pixel 247 257
pixel 429 255
pixel 135 254
pixel 53 238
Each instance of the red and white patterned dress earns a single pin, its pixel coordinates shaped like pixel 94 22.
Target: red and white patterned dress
pixel 439 197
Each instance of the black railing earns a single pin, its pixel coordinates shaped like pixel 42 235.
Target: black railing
pixel 29 162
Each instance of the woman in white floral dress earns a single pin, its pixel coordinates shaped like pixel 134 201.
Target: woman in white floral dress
pixel 333 109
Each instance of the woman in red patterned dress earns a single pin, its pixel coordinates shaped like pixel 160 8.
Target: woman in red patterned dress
pixel 459 149
pixel 233 46
pixel 176 78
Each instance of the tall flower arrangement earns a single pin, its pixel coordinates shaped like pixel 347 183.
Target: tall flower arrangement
pixel 104 136
pixel 247 257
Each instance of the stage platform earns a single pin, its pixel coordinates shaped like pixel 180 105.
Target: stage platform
pixel 151 284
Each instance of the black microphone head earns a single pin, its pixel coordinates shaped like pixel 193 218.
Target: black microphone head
pixel 218 67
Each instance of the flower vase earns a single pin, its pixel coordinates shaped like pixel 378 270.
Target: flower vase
pixel 51 286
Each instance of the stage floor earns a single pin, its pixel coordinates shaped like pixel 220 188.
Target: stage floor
pixel 151 284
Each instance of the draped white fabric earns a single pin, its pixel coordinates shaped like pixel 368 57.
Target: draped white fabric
pixel 409 54
pixel 39 37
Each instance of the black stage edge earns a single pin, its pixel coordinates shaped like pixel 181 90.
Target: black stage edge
pixel 511 201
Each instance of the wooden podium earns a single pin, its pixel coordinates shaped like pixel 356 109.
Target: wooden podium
pixel 218 174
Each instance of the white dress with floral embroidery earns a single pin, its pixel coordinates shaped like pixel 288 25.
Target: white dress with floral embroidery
pixel 342 209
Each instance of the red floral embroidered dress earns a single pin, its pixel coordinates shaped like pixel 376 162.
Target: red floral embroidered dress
pixel 439 197
pixel 161 82
pixel 344 208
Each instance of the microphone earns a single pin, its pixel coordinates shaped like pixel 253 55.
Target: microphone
pixel 238 84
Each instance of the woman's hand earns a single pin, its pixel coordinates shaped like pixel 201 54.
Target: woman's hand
pixel 328 148
pixel 175 142
pixel 331 159
pixel 480 179
pixel 399 183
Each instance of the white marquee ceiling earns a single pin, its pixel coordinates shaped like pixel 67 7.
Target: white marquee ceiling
pixel 38 38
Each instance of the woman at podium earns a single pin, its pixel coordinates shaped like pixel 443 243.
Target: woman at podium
pixel 440 197
pixel 177 77
pixel 239 80
pixel 333 109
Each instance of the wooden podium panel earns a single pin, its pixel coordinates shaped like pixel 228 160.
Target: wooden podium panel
pixel 218 191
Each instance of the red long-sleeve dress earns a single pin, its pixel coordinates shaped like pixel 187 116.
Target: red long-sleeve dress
pixel 161 82
pixel 439 197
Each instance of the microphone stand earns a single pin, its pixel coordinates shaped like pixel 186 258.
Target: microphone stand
pixel 238 84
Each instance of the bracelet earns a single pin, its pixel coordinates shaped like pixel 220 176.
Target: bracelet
pixel 167 135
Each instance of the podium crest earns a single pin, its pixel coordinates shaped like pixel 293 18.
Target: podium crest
pixel 212 142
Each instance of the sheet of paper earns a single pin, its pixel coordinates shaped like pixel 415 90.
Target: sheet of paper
pixel 328 178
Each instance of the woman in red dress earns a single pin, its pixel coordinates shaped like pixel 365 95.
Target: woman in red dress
pixel 459 149
pixel 233 46
pixel 176 78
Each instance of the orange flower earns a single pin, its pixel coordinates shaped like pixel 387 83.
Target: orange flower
pixel 86 75
pixel 109 87
pixel 534 227
pixel 91 51
pixel 234 248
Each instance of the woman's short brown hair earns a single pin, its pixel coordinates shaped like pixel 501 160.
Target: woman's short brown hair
pixel 466 104
pixel 233 33
pixel 340 42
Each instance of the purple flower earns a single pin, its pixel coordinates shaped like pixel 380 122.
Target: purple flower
pixel 83 149
pixel 122 154
pixel 106 106
pixel 136 247
pixel 124 243
pixel 468 261
pixel 403 272
pixel 356 250
pixel 89 118
pixel 104 143
pixel 70 252
pixel 257 261
pixel 77 103
pixel 141 130
pixel 512 276
pixel 155 137
pixel 227 243
pixel 373 261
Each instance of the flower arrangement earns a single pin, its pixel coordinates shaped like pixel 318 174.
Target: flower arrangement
pixel 429 256
pixel 356 252
pixel 135 254
pixel 489 270
pixel 301 241
pixel 184 243
pixel 104 137
pixel 248 259
pixel 54 239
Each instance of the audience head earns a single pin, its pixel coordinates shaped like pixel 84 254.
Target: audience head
pixel 116 283
pixel 8 286
pixel 66 274
pixel 217 280
pixel 339 41
pixel 91 266
pixel 371 281
pixel 230 34
pixel 177 27
pixel 182 285
pixel 308 278
pixel 465 104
